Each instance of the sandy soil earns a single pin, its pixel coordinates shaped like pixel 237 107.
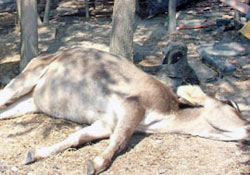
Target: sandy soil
pixel 147 154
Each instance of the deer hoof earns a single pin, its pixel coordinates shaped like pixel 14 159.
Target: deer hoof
pixel 30 157
pixel 89 168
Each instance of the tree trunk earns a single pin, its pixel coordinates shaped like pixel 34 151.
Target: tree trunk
pixel 171 16
pixel 87 9
pixel 123 26
pixel 39 21
pixel 18 2
pixel 137 7
pixel 29 33
pixel 47 12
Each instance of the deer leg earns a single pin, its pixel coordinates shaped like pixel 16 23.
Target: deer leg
pixel 26 80
pixel 98 130
pixel 17 88
pixel 22 106
pixel 119 139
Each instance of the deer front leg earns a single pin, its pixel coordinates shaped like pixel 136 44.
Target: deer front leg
pixel 119 139
pixel 97 130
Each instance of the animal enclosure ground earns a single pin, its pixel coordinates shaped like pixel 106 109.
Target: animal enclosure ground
pixel 146 154
pixel 151 155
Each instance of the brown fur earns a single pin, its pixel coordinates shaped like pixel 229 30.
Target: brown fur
pixel 116 98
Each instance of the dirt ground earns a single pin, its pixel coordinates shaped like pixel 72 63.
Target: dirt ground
pixel 158 154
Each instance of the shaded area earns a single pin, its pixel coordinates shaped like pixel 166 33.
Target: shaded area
pixel 168 154
pixel 227 89
pixel 155 154
pixel 41 124
pixel 8 71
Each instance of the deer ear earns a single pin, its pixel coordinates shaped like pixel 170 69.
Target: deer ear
pixel 183 103
pixel 192 94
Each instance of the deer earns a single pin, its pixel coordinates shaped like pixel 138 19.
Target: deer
pixel 115 99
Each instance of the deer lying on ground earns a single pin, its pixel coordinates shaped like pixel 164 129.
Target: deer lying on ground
pixel 116 99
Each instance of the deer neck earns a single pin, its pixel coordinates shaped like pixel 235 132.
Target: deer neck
pixel 185 121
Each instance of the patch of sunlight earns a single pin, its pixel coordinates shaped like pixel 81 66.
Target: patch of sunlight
pixel 10 58
pixel 88 44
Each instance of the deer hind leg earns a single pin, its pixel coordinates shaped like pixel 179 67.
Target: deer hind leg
pixel 119 139
pixel 14 90
pixel 25 81
pixel 98 130
pixel 22 106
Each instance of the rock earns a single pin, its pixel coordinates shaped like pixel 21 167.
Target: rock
pixel 10 5
pixel 213 54
pixel 7 5
pixel 155 6
pixel 14 169
pixel 221 65
pixel 174 69
pixel 224 49
pixel 162 171
pixel 225 24
pixel 203 72
pixel 3 168
pixel 223 21
pixel 195 24
pixel 248 16
pixel 71 8
pixel 4 80
pixel 174 52
pixel 30 173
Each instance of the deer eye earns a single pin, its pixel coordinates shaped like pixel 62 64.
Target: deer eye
pixel 232 104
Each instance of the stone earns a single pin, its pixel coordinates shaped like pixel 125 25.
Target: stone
pixel 4 80
pixel 14 168
pixel 224 49
pixel 155 7
pixel 221 65
pixel 174 68
pixel 213 54
pixel 203 72
pixel 7 5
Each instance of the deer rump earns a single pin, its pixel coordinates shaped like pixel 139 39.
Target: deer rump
pixel 116 99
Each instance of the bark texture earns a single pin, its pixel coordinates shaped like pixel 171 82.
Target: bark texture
pixel 47 12
pixel 123 26
pixel 171 16
pixel 29 33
